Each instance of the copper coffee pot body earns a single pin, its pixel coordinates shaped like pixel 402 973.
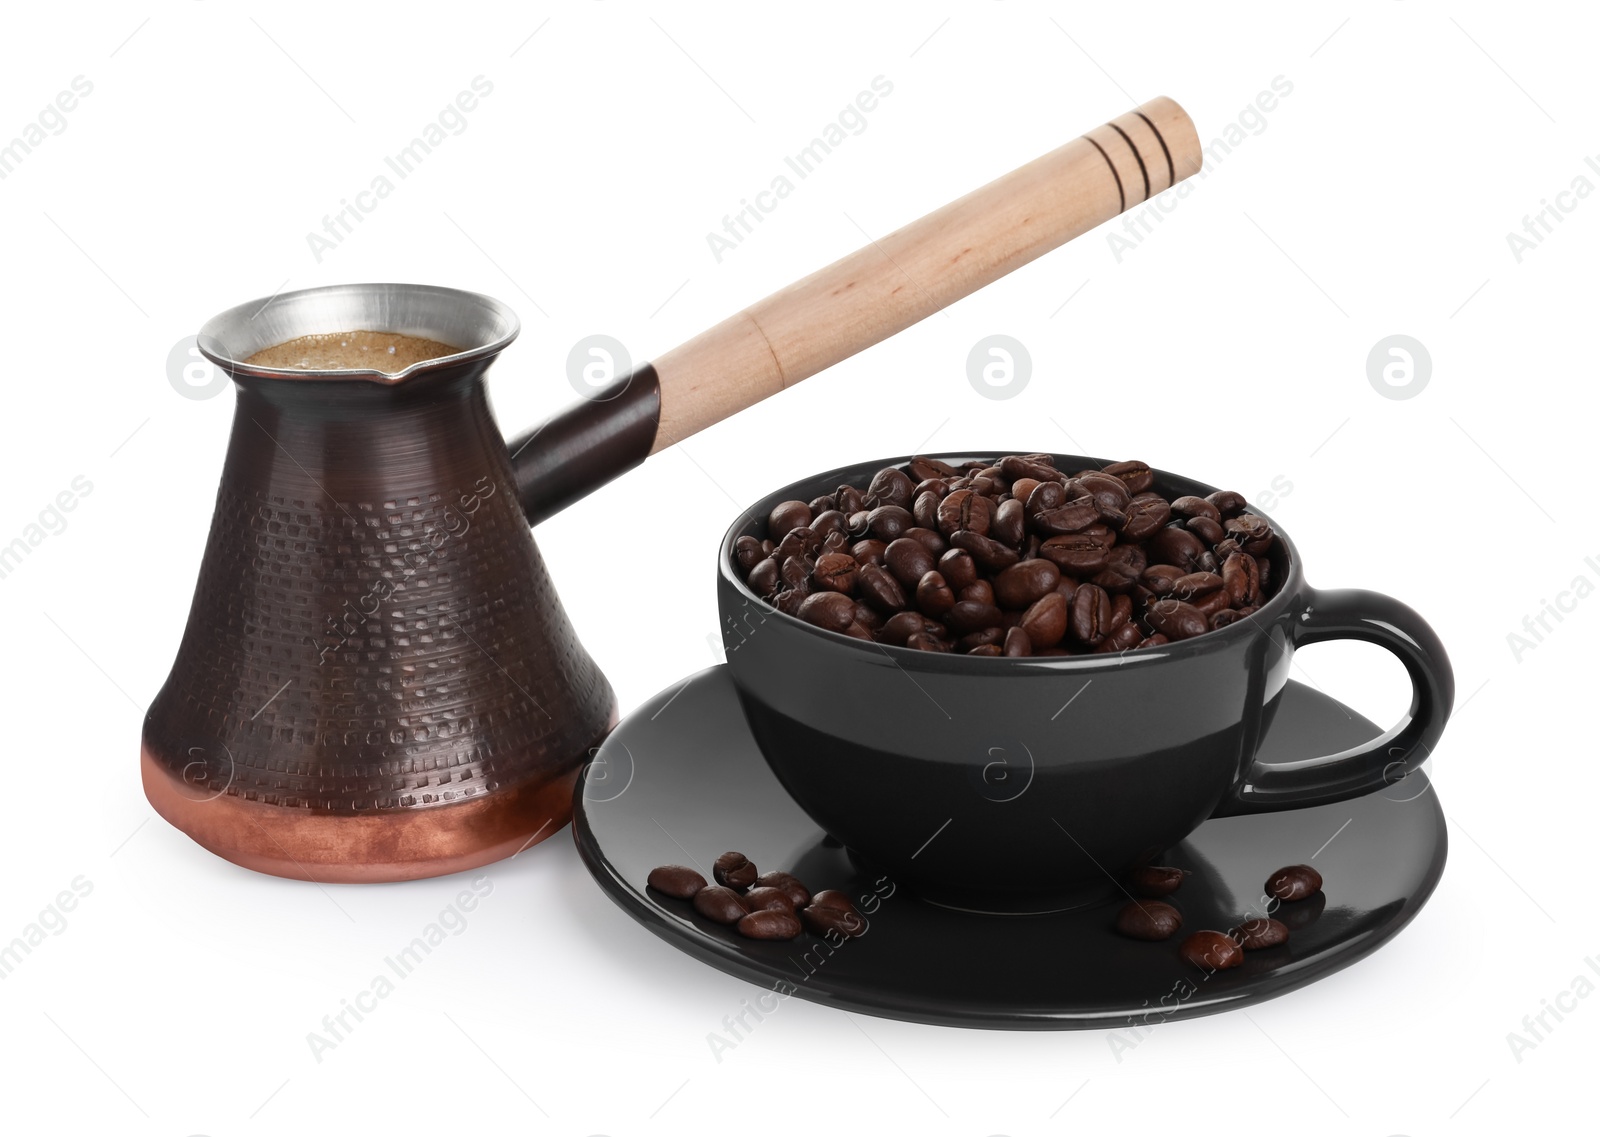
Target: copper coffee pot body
pixel 377 680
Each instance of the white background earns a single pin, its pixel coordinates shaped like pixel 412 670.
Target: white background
pixel 1231 344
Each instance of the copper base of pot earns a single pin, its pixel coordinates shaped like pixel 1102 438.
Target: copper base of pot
pixel 361 849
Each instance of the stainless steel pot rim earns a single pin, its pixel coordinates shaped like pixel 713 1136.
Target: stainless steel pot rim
pixel 481 325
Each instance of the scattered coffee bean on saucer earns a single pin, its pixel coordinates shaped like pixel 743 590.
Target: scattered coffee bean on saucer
pixel 1261 932
pixel 768 924
pixel 1214 951
pixel 721 904
pixel 1148 920
pixel 734 870
pixel 768 899
pixel 1295 882
pixel 676 881
pixel 787 883
pixel 1156 880
pixel 820 920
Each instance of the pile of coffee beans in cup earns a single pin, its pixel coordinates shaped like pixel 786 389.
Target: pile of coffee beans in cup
pixel 1013 557
pixel 1155 919
pixel 761 906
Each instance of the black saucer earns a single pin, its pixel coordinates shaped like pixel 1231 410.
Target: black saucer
pixel 681 780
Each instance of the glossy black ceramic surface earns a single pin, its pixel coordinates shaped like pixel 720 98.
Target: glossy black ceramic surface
pixel 681 781
pixel 1120 755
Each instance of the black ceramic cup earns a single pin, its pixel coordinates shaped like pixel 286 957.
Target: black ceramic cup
pixel 1030 784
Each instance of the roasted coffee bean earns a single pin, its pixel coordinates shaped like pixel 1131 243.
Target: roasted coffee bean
pixel 888 522
pixel 1016 466
pixel 1161 579
pixel 1212 951
pixel 822 921
pixel 1260 932
pixel 1045 497
pixel 1156 880
pixel 1295 882
pixel 980 591
pixel 1225 548
pixel 770 925
pixel 1195 584
pixel 1253 533
pixel 747 553
pixel 834 572
pixel 762 898
pixel 850 500
pixel 822 504
pixel 829 521
pixel 1135 475
pixel 1189 506
pixel 922 642
pixel 879 588
pixel 764 579
pixel 1175 546
pixel 720 904
pixel 1090 621
pixel 1264 574
pixel 857 522
pixel 1110 492
pixel 1212 603
pixel 797 543
pixel 1072 517
pixel 1225 617
pixel 934 596
pixel 1008 524
pixel 983 637
pixel 922 467
pixel 1123 637
pixel 930 539
pixel 835 543
pixel 1206 529
pixel 833 898
pixel 676 881
pixel 868 552
pixel 1176 619
pixel 965 509
pixel 788 601
pixel 989 553
pixel 1025 582
pixel 1228 503
pixel 787 515
pixel 1149 920
pixel 972 616
pixel 1147 513
pixel 986 649
pixel 908 560
pixel 832 610
pixel 890 486
pixel 1124 564
pixel 796 574
pixel 1022 487
pixel 1082 553
pixel 734 870
pixel 925 509
pixel 1242 578
pixel 900 627
pixel 1017 642
pixel 1046 621
pixel 868 617
pixel 958 568
pixel 787 883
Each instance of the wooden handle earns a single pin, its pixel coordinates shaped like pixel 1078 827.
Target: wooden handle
pixel 915 271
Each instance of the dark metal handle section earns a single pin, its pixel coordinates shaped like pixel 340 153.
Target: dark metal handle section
pixel 578 450
pixel 1382 620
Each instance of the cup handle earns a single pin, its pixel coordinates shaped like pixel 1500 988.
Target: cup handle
pixel 1378 619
